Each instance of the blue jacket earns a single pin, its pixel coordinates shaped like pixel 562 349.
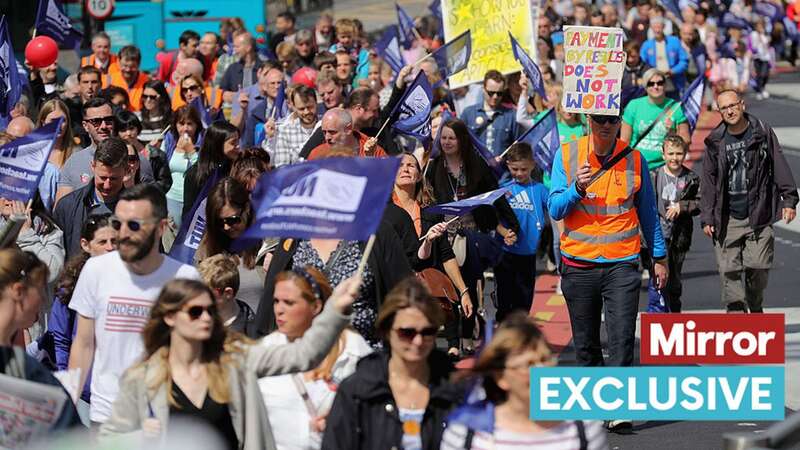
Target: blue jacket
pixel 62 323
pixel 676 55
pixel 563 198
pixel 496 134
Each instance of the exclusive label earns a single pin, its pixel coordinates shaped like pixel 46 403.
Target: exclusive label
pixel 712 339
pixel 657 393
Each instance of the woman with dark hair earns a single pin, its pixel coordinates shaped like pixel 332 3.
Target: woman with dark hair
pixel 300 295
pixel 194 367
pixel 435 251
pixel 156 108
pixel 128 127
pixel 180 152
pixel 459 173
pixel 398 398
pixel 220 149
pixel 118 97
pixel 98 237
pixel 228 214
pixel 504 369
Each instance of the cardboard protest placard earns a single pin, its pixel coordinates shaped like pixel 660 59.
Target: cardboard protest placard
pixel 490 21
pixel 27 410
pixel 593 66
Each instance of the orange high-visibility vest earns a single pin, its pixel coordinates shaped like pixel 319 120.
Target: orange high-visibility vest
pixel 112 66
pixel 134 92
pixel 213 97
pixel 605 222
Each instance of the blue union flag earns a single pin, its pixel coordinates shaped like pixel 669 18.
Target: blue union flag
pixel 52 21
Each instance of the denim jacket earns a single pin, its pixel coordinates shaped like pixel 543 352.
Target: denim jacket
pixel 498 133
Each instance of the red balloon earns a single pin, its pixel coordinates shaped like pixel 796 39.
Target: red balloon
pixel 41 51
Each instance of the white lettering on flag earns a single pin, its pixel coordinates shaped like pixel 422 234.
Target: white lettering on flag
pixel 325 189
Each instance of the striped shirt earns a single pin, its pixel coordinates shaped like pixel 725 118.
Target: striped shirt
pixel 562 437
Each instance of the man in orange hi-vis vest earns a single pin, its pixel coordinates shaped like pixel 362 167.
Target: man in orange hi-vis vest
pixel 129 77
pixel 600 242
pixel 101 56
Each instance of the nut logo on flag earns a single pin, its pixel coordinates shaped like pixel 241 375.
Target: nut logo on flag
pixel 325 189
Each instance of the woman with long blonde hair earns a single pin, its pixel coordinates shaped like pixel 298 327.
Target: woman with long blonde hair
pixel 51 111
pixel 194 367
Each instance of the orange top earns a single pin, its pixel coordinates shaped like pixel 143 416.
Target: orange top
pixel 134 92
pixel 213 97
pixel 321 150
pixel 605 222
pixel 112 66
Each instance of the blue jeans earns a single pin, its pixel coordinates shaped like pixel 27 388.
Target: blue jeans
pixel 174 210
pixel 586 290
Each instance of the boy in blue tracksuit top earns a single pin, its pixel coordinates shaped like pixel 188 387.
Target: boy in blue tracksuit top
pixel 516 274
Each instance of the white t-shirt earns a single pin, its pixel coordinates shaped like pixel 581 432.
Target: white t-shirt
pixel 119 301
pixel 288 414
pixel 562 437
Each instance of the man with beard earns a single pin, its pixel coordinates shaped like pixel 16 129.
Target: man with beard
pixel 295 131
pixel 115 292
pixel 109 166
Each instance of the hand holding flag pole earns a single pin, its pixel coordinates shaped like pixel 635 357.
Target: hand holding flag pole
pixel 446 223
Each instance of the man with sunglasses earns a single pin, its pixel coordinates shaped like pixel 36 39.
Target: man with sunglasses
pixel 746 186
pixel 115 292
pixel 491 121
pixel 109 166
pixel 603 222
pixel 98 120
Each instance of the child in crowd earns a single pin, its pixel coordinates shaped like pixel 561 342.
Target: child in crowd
pixel 220 272
pixel 677 188
pixel 347 38
pixel 516 273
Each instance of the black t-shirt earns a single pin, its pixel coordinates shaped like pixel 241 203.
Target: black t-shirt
pixel 216 415
pixel 736 153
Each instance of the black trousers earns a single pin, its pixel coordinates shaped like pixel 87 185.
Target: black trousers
pixel 586 291
pixel 515 278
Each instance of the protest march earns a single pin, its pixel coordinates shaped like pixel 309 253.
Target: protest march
pixel 469 225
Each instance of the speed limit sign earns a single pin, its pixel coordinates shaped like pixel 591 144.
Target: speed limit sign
pixel 100 9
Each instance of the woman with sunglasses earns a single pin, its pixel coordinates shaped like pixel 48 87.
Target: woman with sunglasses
pixel 156 109
pixel 656 107
pixel 228 214
pixel 97 238
pixel 397 398
pixel 23 278
pixel 194 367
pixel 299 403
pixel 220 149
pixel 435 250
pixel 180 151
pixel 503 371
pixel 192 88
pixel 459 173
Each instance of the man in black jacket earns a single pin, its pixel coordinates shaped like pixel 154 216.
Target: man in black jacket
pixel 99 196
pixel 746 186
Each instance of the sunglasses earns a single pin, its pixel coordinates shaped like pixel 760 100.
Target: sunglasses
pixel 133 225
pixel 149 97
pixel 193 87
pixel 408 334
pixel 231 220
pixel 655 83
pixel 494 93
pixel 196 311
pixel 602 120
pixel 97 121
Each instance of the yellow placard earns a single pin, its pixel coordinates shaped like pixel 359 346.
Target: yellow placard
pixel 490 22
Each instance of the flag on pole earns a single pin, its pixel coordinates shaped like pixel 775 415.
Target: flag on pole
pixel 461 207
pixel 52 21
pixel 435 7
pixel 543 139
pixel 672 6
pixel 193 225
pixel 436 147
pixel 388 48
pixel 529 67
pixel 498 168
pixel 341 198
pixel 414 118
pixel 453 57
pixel 11 82
pixel 769 10
pixel 206 117
pixel 406 25
pixel 279 108
pixel 22 162
pixel 692 102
